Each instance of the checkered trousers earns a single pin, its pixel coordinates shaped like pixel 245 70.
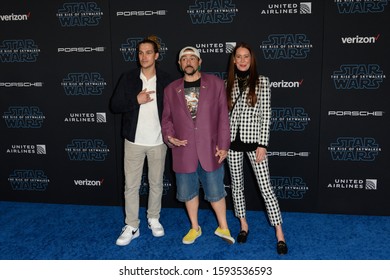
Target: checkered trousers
pixel 236 161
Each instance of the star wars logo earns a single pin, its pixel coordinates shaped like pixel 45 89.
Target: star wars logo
pixel 12 51
pixel 79 14
pixel 212 11
pixel 129 49
pixel 28 180
pixel 358 76
pixel 360 7
pixel 289 119
pixel 84 84
pixel 23 117
pixel 87 150
pixel 354 149
pixel 289 187
pixel 286 46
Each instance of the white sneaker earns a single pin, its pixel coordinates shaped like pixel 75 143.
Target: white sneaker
pixel 156 227
pixel 128 233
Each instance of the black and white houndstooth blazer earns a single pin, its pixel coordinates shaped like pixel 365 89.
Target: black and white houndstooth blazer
pixel 252 122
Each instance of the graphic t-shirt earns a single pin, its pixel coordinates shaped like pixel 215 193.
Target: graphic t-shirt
pixel 191 93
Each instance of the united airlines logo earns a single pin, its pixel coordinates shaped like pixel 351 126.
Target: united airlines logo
pixel 360 7
pixel 286 46
pixel 230 46
pixel 353 184
pixel 212 11
pixel 287 8
pixel 286 84
pixel 14 51
pixel 28 180
pixel 289 119
pixel 79 14
pixel 15 17
pixel 87 150
pixel 289 187
pixel 99 117
pixel 84 84
pixel 358 76
pixel 354 149
pixel 24 117
pixel 211 47
pixel 129 49
pixel 39 149
pixel 216 47
pixel 360 39
pixel 144 187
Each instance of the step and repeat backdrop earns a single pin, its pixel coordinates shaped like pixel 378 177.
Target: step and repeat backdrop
pixel 327 62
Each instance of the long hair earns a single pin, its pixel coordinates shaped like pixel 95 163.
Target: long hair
pixel 253 77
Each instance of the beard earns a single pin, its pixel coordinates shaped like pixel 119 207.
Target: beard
pixel 190 72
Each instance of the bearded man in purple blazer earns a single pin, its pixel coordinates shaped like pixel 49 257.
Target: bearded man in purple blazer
pixel 195 125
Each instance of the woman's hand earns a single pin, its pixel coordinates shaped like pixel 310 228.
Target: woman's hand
pixel 261 154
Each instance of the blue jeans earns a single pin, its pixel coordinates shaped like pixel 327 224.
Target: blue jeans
pixel 212 183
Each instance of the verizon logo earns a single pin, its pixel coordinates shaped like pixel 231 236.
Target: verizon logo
pixel 86 182
pixel 360 40
pixel 286 84
pixel 13 17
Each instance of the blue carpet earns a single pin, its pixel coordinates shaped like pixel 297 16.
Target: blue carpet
pixel 37 231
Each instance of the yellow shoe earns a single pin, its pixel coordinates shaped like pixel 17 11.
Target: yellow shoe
pixel 192 235
pixel 225 235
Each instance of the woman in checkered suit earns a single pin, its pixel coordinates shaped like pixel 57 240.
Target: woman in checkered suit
pixel 249 100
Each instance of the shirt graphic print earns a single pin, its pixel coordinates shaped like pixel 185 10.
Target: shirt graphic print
pixel 192 98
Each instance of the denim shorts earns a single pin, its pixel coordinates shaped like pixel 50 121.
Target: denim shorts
pixel 212 183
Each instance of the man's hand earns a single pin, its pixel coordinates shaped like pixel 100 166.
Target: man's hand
pixel 144 96
pixel 222 154
pixel 177 142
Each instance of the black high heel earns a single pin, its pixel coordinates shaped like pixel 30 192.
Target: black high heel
pixel 242 236
pixel 281 248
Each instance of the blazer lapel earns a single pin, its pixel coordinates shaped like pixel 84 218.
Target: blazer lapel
pixel 182 101
pixel 203 96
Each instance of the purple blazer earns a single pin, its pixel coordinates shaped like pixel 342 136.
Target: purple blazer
pixel 210 129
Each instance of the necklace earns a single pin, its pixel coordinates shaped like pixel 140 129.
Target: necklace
pixel 242 78
pixel 242 83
